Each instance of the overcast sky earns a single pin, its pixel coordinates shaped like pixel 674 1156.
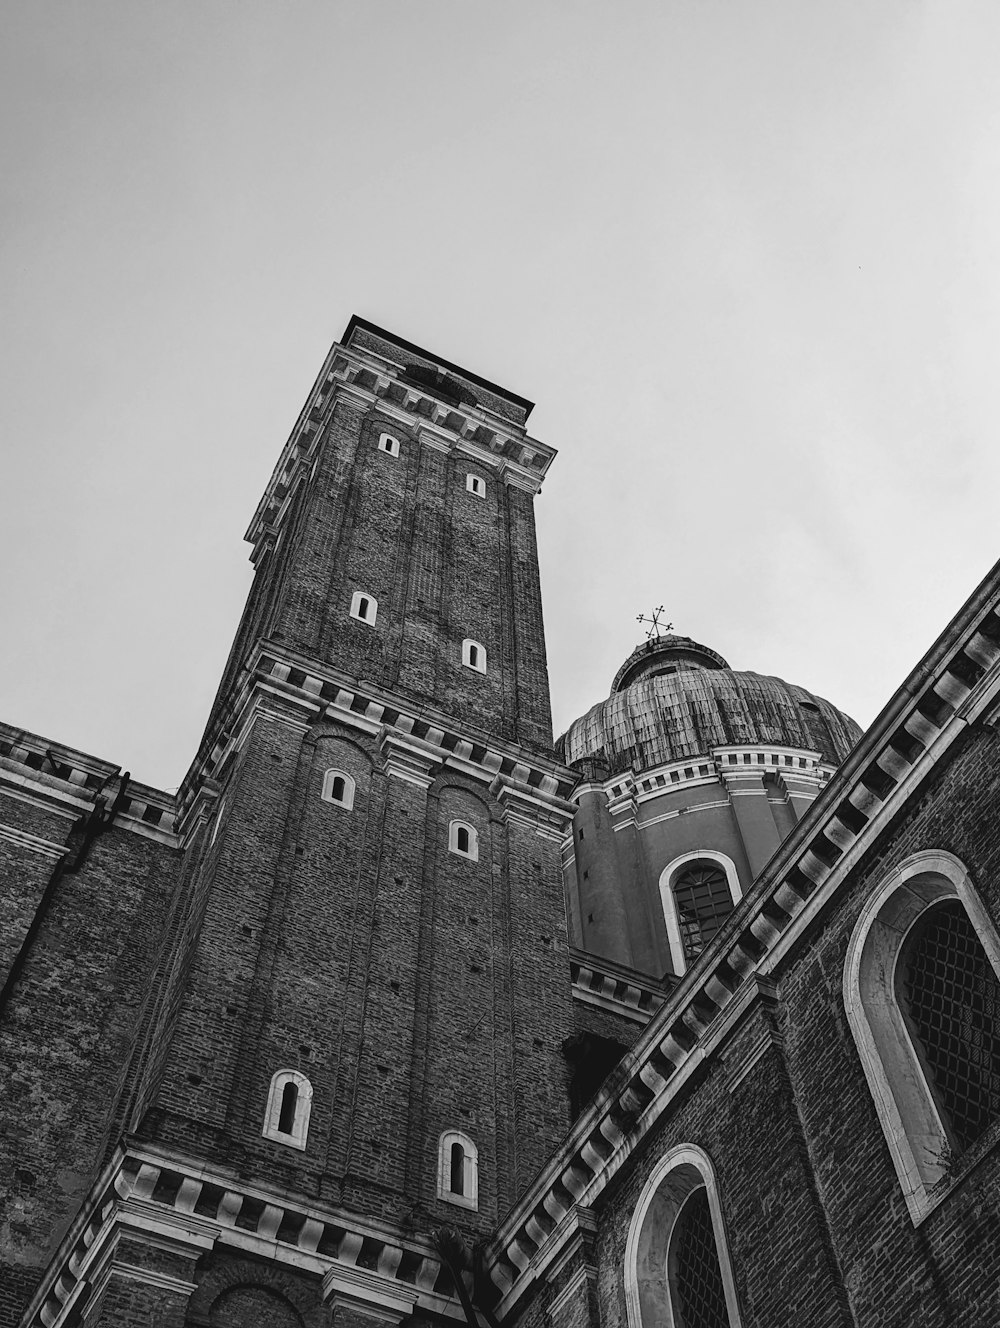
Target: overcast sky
pixel 743 256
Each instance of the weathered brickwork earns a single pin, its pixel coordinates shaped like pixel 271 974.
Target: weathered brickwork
pixel 164 958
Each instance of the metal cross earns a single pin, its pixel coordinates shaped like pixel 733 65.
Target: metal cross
pixel 657 628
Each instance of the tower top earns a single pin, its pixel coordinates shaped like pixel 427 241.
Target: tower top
pixel 362 334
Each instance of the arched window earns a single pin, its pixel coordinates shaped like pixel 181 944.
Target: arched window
pixel 289 1103
pixel 364 607
pixel 474 655
pixel 339 788
pixel 458 1169
pixel 387 443
pixel 699 890
pixel 923 1002
pixel 678 1272
pixel 463 839
pixel 476 485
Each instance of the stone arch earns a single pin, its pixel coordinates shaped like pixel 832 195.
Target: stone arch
pixel 915 1131
pixel 231 1292
pixel 648 1295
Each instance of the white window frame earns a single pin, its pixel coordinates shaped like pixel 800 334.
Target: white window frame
pixel 470 1199
pixel 908 1113
pixel 367 618
pixel 473 850
pixel 667 878
pixel 350 788
pixel 647 1275
pixel 476 485
pixel 389 444
pixel 480 665
pixel 299 1133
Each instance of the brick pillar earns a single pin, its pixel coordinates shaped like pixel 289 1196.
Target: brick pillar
pixel 362 1299
pixel 571 1278
pixel 141 1284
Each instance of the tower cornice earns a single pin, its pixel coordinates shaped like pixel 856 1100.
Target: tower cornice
pixel 370 381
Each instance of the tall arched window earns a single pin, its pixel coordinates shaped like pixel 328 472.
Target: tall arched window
pixel 923 1002
pixel 699 891
pixel 678 1272
pixel 458 1169
pixel 289 1102
pixel 339 788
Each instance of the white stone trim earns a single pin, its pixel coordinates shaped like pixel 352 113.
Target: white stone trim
pixel 472 852
pixel 295 1137
pixel 916 1135
pixel 389 444
pixel 475 484
pixel 364 607
pixel 647 1294
pixel 350 788
pixel 474 655
pixel 33 843
pixel 667 877
pixel 469 1198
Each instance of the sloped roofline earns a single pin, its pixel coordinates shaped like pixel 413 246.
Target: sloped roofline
pixel 955 683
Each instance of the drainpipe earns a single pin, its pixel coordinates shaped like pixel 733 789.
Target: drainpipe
pixel 92 823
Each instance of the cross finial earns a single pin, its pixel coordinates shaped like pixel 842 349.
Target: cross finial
pixel 656 628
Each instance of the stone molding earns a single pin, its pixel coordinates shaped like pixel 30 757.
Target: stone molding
pixel 531 789
pixel 368 380
pixel 172 1202
pixel 68 782
pixel 956 685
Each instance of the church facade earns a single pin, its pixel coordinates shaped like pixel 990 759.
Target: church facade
pixel 400 1012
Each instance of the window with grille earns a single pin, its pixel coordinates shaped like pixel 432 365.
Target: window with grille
pixel 696 1287
pixel 950 995
pixel 704 901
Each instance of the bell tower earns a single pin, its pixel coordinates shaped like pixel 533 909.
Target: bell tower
pixel 354 1035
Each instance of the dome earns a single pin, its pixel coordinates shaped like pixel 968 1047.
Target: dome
pixel 658 714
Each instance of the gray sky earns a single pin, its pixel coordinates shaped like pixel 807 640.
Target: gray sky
pixel 743 256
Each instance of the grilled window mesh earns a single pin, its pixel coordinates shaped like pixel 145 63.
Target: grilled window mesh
pixel 951 994
pixel 703 903
pixel 698 1294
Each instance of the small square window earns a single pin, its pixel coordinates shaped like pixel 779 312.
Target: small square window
pixel 476 485
pixel 364 607
pixel 388 444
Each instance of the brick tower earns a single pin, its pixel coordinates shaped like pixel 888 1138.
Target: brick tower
pixel 353 1034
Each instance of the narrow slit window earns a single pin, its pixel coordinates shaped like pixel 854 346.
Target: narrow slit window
pixel 458 1170
pixel 286 1116
pixel 474 655
pixel 339 788
pixel 463 840
pixel 388 444
pixel 476 485
pixel 364 607
pixel 289 1102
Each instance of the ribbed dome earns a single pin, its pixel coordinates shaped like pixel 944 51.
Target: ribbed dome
pixel 668 717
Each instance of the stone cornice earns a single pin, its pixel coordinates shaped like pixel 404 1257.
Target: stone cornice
pixel 171 1201
pixel 413 743
pixel 957 684
pixel 368 381
pixel 68 782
